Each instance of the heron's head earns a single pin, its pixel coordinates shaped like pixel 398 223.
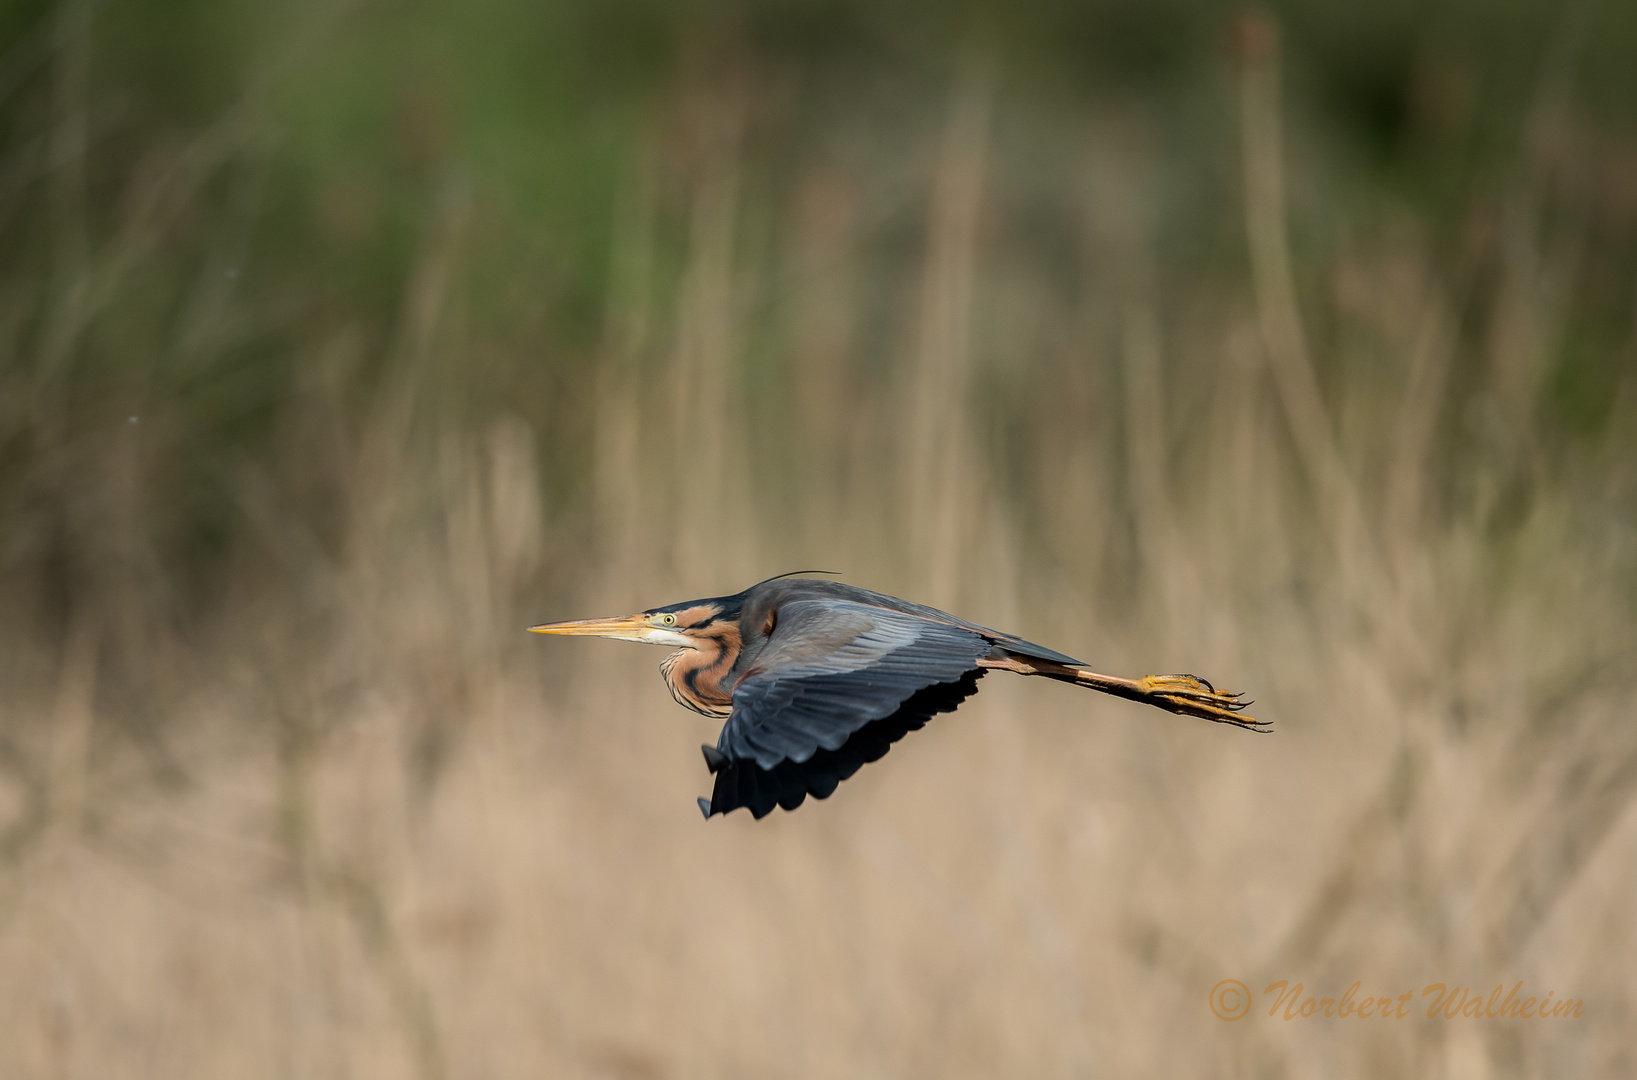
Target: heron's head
pixel 688 625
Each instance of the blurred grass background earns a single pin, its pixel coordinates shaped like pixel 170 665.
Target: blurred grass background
pixel 338 342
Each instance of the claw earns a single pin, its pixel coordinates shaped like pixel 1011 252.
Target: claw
pixel 1194 696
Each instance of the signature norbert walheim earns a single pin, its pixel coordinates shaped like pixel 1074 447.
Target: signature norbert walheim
pixel 1231 1000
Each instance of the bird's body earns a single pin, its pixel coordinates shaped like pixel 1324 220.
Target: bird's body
pixel 816 678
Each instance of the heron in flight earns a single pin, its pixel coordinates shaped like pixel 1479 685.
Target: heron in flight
pixel 817 678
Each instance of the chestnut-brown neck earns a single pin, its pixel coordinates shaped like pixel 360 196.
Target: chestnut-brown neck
pixel 695 676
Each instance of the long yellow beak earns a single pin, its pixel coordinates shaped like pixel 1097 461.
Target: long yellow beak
pixel 628 627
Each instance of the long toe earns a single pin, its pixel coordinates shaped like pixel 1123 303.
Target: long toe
pixel 1193 696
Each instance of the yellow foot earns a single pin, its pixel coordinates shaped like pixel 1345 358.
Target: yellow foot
pixel 1193 696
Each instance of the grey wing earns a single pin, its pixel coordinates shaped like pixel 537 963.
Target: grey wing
pixel 830 668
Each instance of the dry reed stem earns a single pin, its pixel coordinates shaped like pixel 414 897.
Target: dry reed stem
pixel 942 470
pixel 706 446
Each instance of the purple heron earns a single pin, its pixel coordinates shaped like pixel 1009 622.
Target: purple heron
pixel 817 678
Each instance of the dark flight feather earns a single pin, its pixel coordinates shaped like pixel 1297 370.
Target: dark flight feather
pixel 743 782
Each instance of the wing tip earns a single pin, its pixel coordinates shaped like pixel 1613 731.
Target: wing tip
pixel 704 807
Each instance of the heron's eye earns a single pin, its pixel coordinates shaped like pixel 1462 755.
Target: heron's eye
pixel 667 620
